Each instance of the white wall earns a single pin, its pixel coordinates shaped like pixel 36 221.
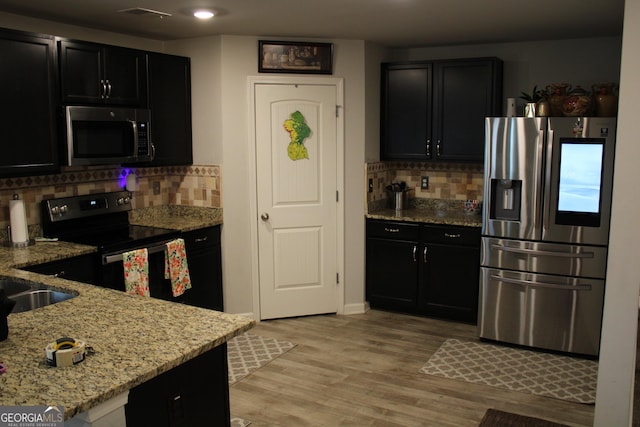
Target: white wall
pixel 226 62
pixel 614 403
pixel 206 95
pixel 375 55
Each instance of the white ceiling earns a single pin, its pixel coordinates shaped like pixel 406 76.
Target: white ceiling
pixel 392 23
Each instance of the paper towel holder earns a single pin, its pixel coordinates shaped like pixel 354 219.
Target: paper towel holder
pixel 10 242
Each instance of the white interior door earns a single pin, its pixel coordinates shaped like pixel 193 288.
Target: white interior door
pixel 296 154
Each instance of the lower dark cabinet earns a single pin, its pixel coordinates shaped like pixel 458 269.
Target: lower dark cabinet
pixel 205 268
pixel 424 269
pixel 194 394
pixel 392 270
pixel 451 272
pixel 80 268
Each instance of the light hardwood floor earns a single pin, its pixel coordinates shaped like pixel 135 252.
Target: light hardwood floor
pixel 362 370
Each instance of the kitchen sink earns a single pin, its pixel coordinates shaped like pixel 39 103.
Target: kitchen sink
pixel 31 300
pixel 12 286
pixel 31 295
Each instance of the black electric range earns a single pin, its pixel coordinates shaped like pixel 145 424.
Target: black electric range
pixel 102 220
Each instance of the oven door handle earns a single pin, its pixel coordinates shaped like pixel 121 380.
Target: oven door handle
pixel 117 256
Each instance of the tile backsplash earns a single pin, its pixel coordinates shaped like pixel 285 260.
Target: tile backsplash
pixel 448 181
pixel 196 185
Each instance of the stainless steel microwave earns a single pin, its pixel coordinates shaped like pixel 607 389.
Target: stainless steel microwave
pixel 106 135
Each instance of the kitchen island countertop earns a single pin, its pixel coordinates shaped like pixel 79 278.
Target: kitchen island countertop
pixel 135 338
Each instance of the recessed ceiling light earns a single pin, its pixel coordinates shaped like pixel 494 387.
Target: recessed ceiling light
pixel 203 14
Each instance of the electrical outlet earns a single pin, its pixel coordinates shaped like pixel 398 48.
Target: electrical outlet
pixel 424 183
pixel 156 188
pixel 370 185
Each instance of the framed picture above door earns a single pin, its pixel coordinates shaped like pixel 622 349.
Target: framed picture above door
pixel 294 57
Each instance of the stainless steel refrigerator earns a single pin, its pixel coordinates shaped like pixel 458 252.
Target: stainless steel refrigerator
pixel 545 230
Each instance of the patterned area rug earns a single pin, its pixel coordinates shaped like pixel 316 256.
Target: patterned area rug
pixel 248 352
pixel 239 422
pixel 526 371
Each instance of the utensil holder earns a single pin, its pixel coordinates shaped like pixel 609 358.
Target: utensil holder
pixel 398 200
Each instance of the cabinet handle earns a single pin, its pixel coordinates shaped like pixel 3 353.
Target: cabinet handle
pixel 415 249
pixel 452 236
pixel 103 92
pixel 428 148
pixel 438 149
pixel 391 230
pixel 424 254
pixel 108 94
pixel 201 239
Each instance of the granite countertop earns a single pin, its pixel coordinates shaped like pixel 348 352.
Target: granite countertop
pixel 447 212
pixel 135 338
pixel 175 217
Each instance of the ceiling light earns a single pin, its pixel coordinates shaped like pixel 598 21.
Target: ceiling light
pixel 203 14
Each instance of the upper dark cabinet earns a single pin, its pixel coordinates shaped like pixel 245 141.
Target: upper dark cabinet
pixel 92 73
pixel 435 110
pixel 170 103
pixel 28 109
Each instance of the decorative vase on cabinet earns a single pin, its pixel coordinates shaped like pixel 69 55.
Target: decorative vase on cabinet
pixel 557 93
pixel 578 102
pixel 605 99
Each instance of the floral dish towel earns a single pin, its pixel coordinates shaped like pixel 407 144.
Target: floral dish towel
pixel 136 272
pixel 176 267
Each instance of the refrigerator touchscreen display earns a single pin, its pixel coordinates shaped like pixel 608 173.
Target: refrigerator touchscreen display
pixel 580 181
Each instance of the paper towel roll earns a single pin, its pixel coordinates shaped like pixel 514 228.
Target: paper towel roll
pixel 18 218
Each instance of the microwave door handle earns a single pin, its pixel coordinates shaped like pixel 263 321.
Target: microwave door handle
pixel 117 256
pixel 134 128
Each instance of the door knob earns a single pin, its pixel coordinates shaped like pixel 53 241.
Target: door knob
pixel 264 216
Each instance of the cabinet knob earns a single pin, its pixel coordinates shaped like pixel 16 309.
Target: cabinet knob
pixel 264 216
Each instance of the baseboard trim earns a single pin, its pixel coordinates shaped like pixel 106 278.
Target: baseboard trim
pixel 249 315
pixel 358 308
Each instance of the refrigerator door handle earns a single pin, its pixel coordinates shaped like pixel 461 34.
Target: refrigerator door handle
pixel 543 253
pixel 559 286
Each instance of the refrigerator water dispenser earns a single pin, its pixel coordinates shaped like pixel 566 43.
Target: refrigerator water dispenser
pixel 506 198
